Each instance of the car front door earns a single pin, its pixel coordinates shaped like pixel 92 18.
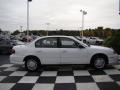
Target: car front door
pixel 71 53
pixel 47 50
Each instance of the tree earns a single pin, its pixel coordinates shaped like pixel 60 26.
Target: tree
pixel 16 32
pixel 114 41
pixel 0 30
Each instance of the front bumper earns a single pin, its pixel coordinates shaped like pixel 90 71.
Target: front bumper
pixel 119 59
pixel 114 59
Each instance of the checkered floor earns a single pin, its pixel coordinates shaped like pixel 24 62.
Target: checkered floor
pixel 15 77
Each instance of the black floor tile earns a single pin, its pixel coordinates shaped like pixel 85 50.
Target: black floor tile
pixel 79 67
pixel 82 79
pixel 5 73
pixel 22 86
pixel 50 68
pixel 109 67
pixel 115 77
pixel 2 68
pixel 46 79
pixel 33 73
pixel 108 86
pixel 65 73
pixel 11 79
pixel 97 72
pixel 65 86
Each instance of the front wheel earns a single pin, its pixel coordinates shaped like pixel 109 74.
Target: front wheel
pixel 99 62
pixel 32 64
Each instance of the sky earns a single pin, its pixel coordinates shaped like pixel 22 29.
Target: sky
pixel 60 14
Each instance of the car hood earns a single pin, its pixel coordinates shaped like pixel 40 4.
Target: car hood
pixel 100 47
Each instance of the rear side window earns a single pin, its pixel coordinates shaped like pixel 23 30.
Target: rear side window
pixel 50 42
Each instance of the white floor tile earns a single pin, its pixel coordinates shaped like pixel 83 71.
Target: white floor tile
pixel 29 79
pixel 117 66
pixel 81 73
pixel 49 73
pixel 87 86
pixel 43 87
pixel 2 77
pixel 65 79
pixel 6 86
pixel 18 73
pixel 102 78
pixel 7 65
pixel 112 71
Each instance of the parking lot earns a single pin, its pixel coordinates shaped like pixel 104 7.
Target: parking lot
pixel 73 77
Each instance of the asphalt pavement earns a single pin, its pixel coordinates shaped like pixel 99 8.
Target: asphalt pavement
pixel 4 59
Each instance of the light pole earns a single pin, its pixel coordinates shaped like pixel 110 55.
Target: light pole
pixel 28 18
pixel 21 29
pixel 119 7
pixel 47 27
pixel 83 13
pixel 79 29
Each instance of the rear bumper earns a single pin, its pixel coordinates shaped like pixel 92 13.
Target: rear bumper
pixel 14 59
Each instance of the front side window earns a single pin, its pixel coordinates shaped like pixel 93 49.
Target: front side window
pixel 47 43
pixel 68 43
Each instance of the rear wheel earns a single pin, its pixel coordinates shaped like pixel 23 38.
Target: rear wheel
pixel 32 64
pixel 99 62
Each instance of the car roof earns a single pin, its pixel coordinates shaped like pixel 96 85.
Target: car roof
pixel 55 36
pixel 72 37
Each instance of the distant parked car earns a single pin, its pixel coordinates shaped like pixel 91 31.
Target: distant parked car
pixel 94 41
pixel 90 40
pixel 61 50
pixel 5 46
pixel 16 42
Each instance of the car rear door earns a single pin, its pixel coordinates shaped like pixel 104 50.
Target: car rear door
pixel 47 50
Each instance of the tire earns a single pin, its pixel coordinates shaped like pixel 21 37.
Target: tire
pixel 99 62
pixel 32 64
pixel 84 41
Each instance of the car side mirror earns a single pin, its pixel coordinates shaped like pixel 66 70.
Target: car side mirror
pixel 80 46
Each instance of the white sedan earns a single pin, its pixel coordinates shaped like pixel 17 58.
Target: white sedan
pixel 53 50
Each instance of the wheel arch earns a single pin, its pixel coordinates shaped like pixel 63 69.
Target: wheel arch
pixel 100 54
pixel 31 56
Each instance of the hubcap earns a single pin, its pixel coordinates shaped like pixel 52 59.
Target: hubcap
pixel 31 64
pixel 99 63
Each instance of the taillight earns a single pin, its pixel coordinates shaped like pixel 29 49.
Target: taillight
pixel 12 51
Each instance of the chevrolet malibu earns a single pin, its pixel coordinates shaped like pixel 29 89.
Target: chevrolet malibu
pixel 54 50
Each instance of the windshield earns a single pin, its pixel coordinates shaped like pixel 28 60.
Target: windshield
pixel 80 41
